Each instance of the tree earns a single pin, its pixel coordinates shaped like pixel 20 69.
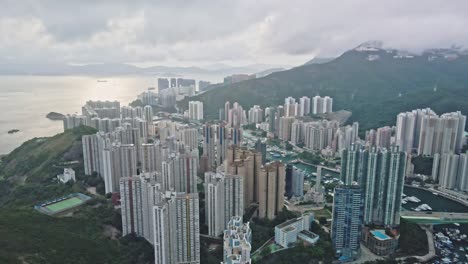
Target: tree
pixel 265 251
pixel 323 220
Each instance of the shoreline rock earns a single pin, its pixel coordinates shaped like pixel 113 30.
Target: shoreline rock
pixel 55 116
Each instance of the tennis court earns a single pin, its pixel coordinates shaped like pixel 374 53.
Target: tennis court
pixel 65 204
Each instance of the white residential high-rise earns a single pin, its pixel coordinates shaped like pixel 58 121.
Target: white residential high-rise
pixel 451 170
pixel 237 242
pixel 131 200
pixel 233 196
pixel 150 155
pixel 189 136
pixel 327 104
pixel 383 138
pixel 284 128
pixel 296 135
pixel 214 203
pixel 405 129
pixel 255 115
pixel 177 229
pixel 429 134
pixel 224 199
pixel 119 161
pixel 148 110
pixel 448 170
pixel 195 110
pixel 179 172
pixel 236 115
pixel 91 155
pixel 322 105
pixel 304 106
pixel 72 121
pixel 290 107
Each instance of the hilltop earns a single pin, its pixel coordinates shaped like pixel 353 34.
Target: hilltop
pixel 27 236
pixel 374 83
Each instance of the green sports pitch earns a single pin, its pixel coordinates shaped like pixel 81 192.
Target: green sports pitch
pixel 65 204
pixel 62 204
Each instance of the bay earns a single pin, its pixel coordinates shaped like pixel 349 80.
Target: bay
pixel 26 100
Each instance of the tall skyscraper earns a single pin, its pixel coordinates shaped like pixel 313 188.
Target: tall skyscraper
pixel 271 188
pixel 163 83
pixel 272 120
pixel 150 155
pixel 149 120
pixel 380 173
pixel 317 105
pixel 430 134
pixel 261 147
pixel 224 199
pixel 214 203
pixel 255 115
pixel 209 144
pixel 284 128
pixel 384 186
pixel 173 82
pixel 289 181
pixel 91 155
pixel 233 196
pixel 347 221
pixel 177 229
pixel 384 136
pixel 189 136
pixel 131 200
pixel 327 104
pixel 322 105
pixel 304 106
pixel 237 242
pixel 448 171
pixel 405 130
pixel 179 172
pixel 119 161
pixel 195 110
pixel 298 183
pixel 247 164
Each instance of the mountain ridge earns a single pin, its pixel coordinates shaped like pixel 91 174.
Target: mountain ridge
pixel 375 84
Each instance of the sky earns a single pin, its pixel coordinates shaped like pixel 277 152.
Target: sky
pixel 235 32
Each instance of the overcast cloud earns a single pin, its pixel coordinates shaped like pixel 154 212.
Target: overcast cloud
pixel 196 32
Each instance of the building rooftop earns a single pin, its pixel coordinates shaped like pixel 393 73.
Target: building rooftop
pixel 289 228
pixel 289 222
pixel 309 234
pixel 380 234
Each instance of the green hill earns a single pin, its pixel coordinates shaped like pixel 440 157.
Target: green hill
pixel 27 236
pixel 375 91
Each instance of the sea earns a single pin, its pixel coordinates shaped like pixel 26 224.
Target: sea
pixel 26 100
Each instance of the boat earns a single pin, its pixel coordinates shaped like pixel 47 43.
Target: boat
pixel 456 224
pixel 413 199
pixel 434 193
pixel 425 207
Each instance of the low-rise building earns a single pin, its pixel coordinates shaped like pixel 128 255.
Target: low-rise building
pixel 287 233
pixel 68 175
pixel 379 242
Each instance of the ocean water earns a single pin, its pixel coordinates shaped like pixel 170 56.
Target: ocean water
pixel 26 100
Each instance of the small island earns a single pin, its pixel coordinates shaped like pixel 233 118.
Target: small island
pixel 55 116
pixel 13 131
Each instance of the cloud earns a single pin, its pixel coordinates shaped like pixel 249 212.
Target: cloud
pixel 203 32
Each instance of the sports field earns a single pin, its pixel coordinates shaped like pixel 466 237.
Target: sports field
pixel 65 204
